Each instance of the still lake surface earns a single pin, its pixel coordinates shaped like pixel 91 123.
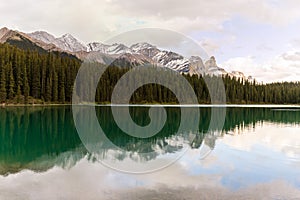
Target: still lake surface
pixel 256 155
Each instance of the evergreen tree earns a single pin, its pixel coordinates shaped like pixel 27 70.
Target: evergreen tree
pixel 11 83
pixel 26 86
pixel 55 87
pixel 2 85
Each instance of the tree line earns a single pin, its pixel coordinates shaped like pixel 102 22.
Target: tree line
pixel 31 76
pixel 28 77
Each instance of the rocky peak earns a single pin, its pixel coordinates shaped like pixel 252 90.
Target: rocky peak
pixel 69 43
pixel 196 65
pixel 68 37
pixel 211 63
pixel 96 46
pixel 3 32
pixel 4 29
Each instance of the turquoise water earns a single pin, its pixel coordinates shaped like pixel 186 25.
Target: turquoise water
pixel 256 154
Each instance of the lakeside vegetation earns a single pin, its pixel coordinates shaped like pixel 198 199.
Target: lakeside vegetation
pixel 34 77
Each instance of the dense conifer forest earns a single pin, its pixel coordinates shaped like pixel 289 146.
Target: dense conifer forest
pixel 31 76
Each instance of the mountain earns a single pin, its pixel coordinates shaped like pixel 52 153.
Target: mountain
pixel 146 53
pixel 196 66
pixel 145 48
pixel 3 32
pixel 130 59
pixel 116 54
pixel 43 36
pixel 66 42
pixel 211 67
pixel 109 49
pixel 24 41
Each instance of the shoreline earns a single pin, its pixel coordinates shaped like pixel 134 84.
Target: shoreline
pixel 161 105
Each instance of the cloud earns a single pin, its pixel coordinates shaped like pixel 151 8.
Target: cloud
pixel 100 19
pixel 211 46
pixel 285 67
pixel 216 11
pixel 264 47
pixel 291 56
pixel 294 43
pixel 268 136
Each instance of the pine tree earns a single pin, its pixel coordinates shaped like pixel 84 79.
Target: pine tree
pixel 11 83
pixel 62 96
pixel 2 85
pixel 55 87
pixel 18 95
pixel 36 82
pixel 26 86
pixel 48 90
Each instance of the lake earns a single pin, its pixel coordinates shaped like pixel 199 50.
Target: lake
pixel 255 154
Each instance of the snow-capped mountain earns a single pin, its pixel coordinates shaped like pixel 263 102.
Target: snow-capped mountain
pixel 109 49
pixel 69 43
pixel 43 36
pixel 118 54
pixel 172 60
pixel 145 48
pixel 164 58
pixel 159 57
pixel 66 42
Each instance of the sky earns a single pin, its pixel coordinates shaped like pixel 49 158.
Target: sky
pixel 258 37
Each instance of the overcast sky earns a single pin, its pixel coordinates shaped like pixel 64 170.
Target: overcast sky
pixel 258 37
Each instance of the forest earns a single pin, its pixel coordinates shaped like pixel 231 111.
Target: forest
pixel 33 77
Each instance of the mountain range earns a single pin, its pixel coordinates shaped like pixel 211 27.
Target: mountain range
pixel 119 54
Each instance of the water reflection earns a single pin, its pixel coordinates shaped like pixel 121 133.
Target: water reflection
pixel 28 134
pixel 38 138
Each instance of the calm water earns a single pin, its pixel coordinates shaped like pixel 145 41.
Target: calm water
pixel 255 155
